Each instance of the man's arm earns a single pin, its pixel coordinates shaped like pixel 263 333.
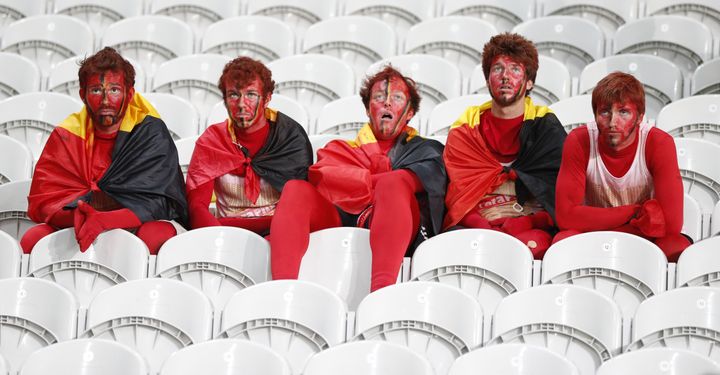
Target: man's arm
pixel 570 210
pixel 198 202
pixel 661 158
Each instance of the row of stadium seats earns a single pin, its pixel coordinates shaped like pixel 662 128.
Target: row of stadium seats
pixel 212 283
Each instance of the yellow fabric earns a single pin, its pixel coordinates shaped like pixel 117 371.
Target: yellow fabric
pixel 472 114
pixel 79 124
pixel 366 136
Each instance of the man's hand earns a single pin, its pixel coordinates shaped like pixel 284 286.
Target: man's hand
pixel 91 225
pixel 650 219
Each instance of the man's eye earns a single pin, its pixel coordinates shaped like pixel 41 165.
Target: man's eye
pixel 252 95
pixel 379 97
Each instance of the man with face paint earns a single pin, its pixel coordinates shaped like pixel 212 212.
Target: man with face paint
pixel 111 165
pixel 388 179
pixel 503 156
pixel 247 159
pixel 621 173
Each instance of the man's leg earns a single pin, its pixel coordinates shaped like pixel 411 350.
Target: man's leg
pixel 33 235
pixel 301 210
pixel 155 233
pixel 672 245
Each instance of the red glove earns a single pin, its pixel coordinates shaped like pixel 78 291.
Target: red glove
pixel 93 222
pixel 538 241
pixel 650 219
pixel 473 219
pixel 515 225
pixel 542 220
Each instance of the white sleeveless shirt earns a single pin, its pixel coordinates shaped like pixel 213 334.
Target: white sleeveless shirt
pixel 602 189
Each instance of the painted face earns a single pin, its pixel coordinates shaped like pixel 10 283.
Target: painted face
pixel 507 81
pixel 246 105
pixel 618 124
pixel 106 97
pixel 389 109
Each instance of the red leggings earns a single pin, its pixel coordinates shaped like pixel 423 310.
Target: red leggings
pixel 153 233
pixel 302 210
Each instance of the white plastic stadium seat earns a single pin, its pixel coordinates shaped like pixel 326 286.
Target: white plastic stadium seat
pixel 458 39
pixel 682 40
pixel 63 78
pixel 259 37
pixel 193 78
pixel 10 257
pixel 16 160
pixel 574 111
pixel 199 14
pixel 573 41
pixel 31 117
pixel 692 218
pixel 295 318
pixel 230 356
pixel 699 264
pixel 682 318
pixel 313 80
pixel 281 103
pixel 342 117
pixel 608 14
pixel 503 14
pixel 368 357
pixel 318 141
pixel 87 357
pixel 18 76
pixel 399 14
pixel 357 40
pixel 658 361
pixel 621 266
pixel 57 257
pixel 185 148
pixel 98 14
pixel 13 208
pixel 701 177
pixel 661 79
pixel 156 317
pixel 706 11
pixel 340 260
pixel 177 113
pixel 13 10
pixel 576 322
pixel 150 40
pixel 513 359
pixel 706 79
pixel 694 116
pixel 299 15
pixel 488 265
pixel 715 221
pixel 444 114
pixel 34 314
pixel 219 261
pixel 435 320
pixel 48 39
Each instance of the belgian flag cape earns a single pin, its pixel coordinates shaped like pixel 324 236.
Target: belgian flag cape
pixel 286 154
pixel 144 175
pixel 474 172
pixel 344 170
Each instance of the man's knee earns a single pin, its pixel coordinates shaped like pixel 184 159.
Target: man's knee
pixel 155 233
pixel 33 235
pixel 393 187
pixel 672 245
pixel 294 189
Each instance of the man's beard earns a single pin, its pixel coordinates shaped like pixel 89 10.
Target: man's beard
pixel 513 99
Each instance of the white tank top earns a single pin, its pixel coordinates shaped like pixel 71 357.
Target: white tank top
pixel 602 189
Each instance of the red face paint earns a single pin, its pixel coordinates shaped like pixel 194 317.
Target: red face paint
pixel 389 108
pixel 618 124
pixel 246 105
pixel 507 81
pixel 106 98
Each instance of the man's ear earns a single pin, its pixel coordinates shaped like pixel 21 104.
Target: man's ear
pixel 268 98
pixel 529 85
pixel 81 92
pixel 131 92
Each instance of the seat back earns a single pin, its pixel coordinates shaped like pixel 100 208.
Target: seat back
pixel 692 218
pixel 298 15
pixel 10 256
pixel 16 160
pixel 368 357
pixel 699 264
pixel 259 37
pixel 18 76
pixel 705 11
pixel 446 113
pixel 502 14
pixel 399 14
pixel 185 148
pixel 695 116
pixel 98 14
pixel 659 360
pixel 513 359
pixel 179 115
pixel 85 356
pixel 608 14
pixel 706 79
pixel 13 10
pixel 342 117
pixel 13 208
pixel 574 111
pixel 700 175
pixel 199 14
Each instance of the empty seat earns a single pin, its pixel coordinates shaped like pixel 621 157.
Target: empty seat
pixel 503 15
pixel 98 14
pixel 57 257
pixel 63 78
pixel 177 113
pixel 573 41
pixel 299 15
pixel 259 37
pixel 193 78
pixel 185 148
pixel 657 361
pixel 150 40
pixel 295 318
pixel 285 104
pixel 10 257
pixel 706 79
pixel 513 359
pixel 231 356
pixel 661 79
pixel 48 39
pixel 576 322
pixel 399 14
pixel 87 357
pixel 694 116
pixel 435 320
pixel 624 267
pixel 340 260
pixel 199 14
pixel 342 117
pixel 357 40
pixel 705 11
pixel 13 208
pixel 692 218
pixel 31 117
pixel 368 357
pixel 34 314
pixel 486 264
pixel 445 113
pixel 18 76
pixel 458 39
pixel 608 14
pixel 682 40
pixel 574 111
pixel 313 80
pixel 699 264
pixel 682 318
pixel 217 260
pixel 16 160
pixel 701 177
pixel 13 10
pixel 156 317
